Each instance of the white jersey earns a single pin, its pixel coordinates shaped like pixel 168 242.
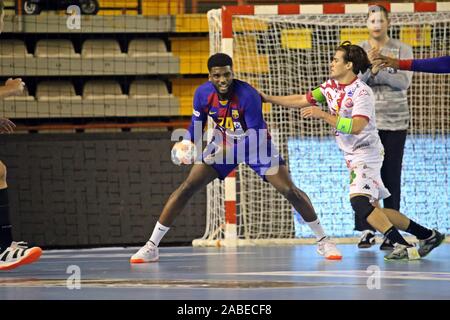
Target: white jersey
pixel 348 101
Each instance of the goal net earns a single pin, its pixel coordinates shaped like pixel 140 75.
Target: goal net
pixel 290 54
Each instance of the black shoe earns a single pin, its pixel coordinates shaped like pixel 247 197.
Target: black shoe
pixel 386 245
pixel 367 239
pixel 425 246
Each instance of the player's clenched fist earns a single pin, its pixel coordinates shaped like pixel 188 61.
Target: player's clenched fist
pixel 15 86
pixel 312 112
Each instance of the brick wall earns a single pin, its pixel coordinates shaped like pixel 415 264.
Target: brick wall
pixel 94 188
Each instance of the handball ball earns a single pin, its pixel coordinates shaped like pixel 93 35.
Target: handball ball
pixel 183 152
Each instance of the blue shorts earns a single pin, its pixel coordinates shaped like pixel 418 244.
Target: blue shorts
pixel 259 163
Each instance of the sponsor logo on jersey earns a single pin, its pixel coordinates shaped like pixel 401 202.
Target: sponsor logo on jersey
pixel 348 103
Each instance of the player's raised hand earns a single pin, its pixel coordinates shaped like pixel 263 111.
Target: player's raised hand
pixel 6 125
pixel 15 86
pixel 377 65
pixel 312 112
pixel 373 54
pixel 387 62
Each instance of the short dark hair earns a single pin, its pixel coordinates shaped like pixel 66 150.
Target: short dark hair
pixel 378 8
pixel 219 60
pixel 356 55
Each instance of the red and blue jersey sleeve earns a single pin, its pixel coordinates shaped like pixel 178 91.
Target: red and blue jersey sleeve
pixel 432 65
pixel 199 113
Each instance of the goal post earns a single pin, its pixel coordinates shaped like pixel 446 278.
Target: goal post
pixel 285 49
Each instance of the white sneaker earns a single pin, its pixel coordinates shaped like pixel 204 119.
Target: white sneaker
pixel 18 254
pixel 148 253
pixel 327 248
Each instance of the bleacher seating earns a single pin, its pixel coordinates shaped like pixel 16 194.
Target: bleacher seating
pixel 10 48
pixel 146 47
pixel 101 48
pixel 56 91
pixel 55 48
pixel 102 89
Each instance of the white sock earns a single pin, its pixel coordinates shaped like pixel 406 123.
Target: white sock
pixel 316 227
pixel 158 233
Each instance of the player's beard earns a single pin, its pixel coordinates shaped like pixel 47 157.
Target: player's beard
pixel 223 95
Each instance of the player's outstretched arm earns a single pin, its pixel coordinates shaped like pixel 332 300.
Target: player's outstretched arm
pixel 431 65
pixel 292 101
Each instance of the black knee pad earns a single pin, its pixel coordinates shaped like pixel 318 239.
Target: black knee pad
pixel 362 206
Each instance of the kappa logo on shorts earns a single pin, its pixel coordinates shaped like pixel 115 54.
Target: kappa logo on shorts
pixel 366 187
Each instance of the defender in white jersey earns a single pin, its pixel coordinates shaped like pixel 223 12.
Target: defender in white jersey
pixel 351 113
pixel 363 152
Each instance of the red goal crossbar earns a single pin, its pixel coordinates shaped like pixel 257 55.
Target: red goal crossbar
pixel 328 8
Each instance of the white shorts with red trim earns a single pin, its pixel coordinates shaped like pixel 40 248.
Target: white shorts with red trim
pixel 365 178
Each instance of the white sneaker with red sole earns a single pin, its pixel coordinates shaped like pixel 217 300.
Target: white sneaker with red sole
pixel 327 248
pixel 148 253
pixel 18 254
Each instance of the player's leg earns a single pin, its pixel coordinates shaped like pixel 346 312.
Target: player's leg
pixel 366 188
pixel 394 145
pixel 367 238
pixel 12 254
pixel 280 179
pixel 428 239
pixel 377 218
pixel 199 176
pixel 5 224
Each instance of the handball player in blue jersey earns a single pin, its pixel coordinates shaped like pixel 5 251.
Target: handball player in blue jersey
pixel 240 136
